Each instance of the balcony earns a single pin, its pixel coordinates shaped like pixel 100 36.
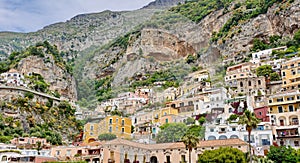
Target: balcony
pixel 288 133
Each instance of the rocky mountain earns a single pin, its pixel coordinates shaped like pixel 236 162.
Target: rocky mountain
pixel 112 51
pixel 163 3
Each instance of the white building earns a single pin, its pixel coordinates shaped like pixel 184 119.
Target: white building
pixel 12 77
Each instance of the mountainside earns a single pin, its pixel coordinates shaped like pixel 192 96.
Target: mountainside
pixel 112 52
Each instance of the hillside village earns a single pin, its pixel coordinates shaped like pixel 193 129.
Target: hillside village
pixel 144 90
pixel 265 85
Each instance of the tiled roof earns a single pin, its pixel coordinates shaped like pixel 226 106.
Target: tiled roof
pixel 201 144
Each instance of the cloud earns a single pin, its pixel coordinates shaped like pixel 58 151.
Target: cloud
pixel 32 15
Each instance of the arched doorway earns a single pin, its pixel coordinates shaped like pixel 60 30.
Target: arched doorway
pixel 153 159
pixel 91 140
pixel 212 138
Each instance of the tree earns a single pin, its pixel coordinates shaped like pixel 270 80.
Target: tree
pixel 190 141
pixel 189 121
pixel 107 136
pixel 39 147
pixel 171 132
pixel 264 70
pixel 195 130
pixel 222 155
pixel 249 119
pixel 283 154
pixel 297 37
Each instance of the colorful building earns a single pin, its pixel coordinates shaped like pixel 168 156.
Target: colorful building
pixel 120 150
pixel 120 126
pixel 285 114
pixel 290 73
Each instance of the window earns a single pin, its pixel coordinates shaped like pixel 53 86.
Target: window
pixel 123 122
pixel 284 82
pixel 259 113
pixel 190 103
pixel 241 84
pixel 91 133
pixel 182 158
pixel 259 82
pixel 117 120
pixel 296 143
pixel 181 104
pixel 57 153
pixel 68 152
pixel 283 73
pixel 280 100
pixel 291 108
pixel 249 83
pixel 110 121
pixel 211 130
pixel 293 72
pixel 270 101
pixel 290 98
pixel 233 129
pixel 110 129
pixel 168 159
pixel 280 109
pixel 123 130
pixel 167 120
pixel 292 65
pixel 91 127
pixel 117 128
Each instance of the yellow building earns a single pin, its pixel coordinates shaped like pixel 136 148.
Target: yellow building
pixel 285 113
pixel 120 126
pixel 290 74
pixel 158 114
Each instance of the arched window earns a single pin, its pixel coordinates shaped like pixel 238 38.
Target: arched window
pixel 249 83
pixel 241 84
pixel 259 82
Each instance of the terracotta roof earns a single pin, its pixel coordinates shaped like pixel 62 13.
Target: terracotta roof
pixel 207 143
pixel 95 143
pixel 12 71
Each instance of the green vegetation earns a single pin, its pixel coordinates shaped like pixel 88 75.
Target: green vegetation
pixel 266 71
pixel 171 132
pixel 107 136
pixel 249 119
pixel 283 154
pixel 222 155
pixel 37 83
pixel 103 87
pixel 196 10
pixel 40 50
pixel 190 141
pixel 41 120
pixel 243 13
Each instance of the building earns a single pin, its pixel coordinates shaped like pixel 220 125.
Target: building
pixel 32 141
pixel 12 78
pixel 290 74
pixel 285 114
pixel 264 54
pixel 120 126
pixel 120 150
pixel 89 152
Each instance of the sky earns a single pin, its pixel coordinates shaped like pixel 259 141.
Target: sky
pixel 32 15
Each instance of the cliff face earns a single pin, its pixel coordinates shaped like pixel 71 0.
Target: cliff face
pixel 123 44
pixel 57 78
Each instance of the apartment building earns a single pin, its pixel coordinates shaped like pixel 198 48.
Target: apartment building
pixel 285 114
pixel 120 150
pixel 120 126
pixel 290 73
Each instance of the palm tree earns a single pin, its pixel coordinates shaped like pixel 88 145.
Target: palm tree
pixel 249 119
pixel 190 142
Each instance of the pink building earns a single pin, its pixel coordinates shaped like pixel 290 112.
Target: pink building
pixel 262 114
pixel 30 141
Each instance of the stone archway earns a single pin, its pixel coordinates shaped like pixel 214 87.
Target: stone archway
pixel 153 159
